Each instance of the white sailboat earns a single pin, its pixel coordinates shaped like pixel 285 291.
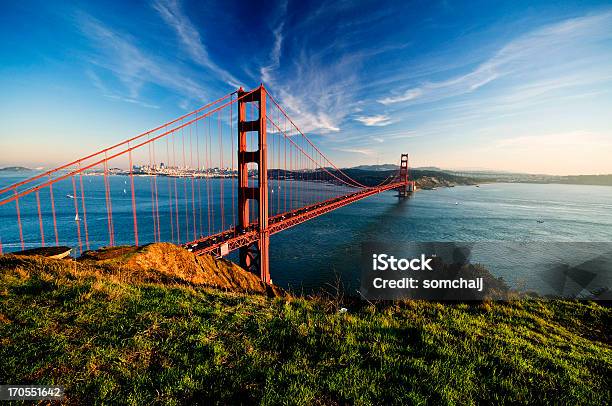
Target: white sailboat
pixel 76 217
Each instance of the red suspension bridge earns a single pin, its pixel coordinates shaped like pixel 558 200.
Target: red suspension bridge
pixel 192 182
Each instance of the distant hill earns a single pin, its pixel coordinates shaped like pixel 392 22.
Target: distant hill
pixel 15 169
pixel 425 179
pixel 383 167
pixel 429 168
pixel 601 180
pixel 430 175
pixel 392 167
pixel 510 177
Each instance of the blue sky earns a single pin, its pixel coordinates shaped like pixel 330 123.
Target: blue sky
pixel 498 85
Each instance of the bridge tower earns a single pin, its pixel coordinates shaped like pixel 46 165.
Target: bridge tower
pixel 408 186
pixel 254 257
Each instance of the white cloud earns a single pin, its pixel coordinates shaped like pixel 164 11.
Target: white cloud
pixel 556 140
pixel 184 104
pixel 134 68
pixel 311 86
pixel 542 48
pixel 171 12
pixel 374 121
pixel 409 94
pixel 275 54
pixel 111 94
pixel 363 151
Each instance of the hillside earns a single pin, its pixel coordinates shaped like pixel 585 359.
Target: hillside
pixel 510 177
pixel 165 262
pixel 596 180
pixel 125 335
pixel 425 179
pixel 381 167
pixel 15 169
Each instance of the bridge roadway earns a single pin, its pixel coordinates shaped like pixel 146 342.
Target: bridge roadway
pixel 235 238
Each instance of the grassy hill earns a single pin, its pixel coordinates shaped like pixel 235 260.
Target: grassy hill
pixel 110 335
pixel 370 177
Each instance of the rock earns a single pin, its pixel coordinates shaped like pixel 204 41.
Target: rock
pixel 48 252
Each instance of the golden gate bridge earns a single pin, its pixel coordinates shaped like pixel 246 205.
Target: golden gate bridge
pixel 199 186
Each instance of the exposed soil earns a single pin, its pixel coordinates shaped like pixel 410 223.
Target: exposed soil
pixel 154 263
pixel 49 252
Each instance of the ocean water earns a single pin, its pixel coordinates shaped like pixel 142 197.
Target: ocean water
pixel 316 254
pixel 319 252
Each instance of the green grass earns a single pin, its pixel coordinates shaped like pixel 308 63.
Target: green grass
pixel 109 341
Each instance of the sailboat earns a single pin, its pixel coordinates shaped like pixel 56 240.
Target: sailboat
pixel 69 196
pixel 76 217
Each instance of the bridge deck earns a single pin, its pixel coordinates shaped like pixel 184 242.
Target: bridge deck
pixel 235 238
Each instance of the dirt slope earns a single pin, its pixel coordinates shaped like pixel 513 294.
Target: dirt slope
pixel 153 263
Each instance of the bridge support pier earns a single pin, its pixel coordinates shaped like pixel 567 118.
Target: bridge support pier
pixel 408 186
pixel 254 257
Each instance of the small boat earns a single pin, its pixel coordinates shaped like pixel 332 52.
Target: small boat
pixel 540 221
pixel 456 203
pixel 69 196
pixel 124 192
pixel 76 217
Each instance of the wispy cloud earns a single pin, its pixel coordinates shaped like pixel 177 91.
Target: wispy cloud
pixel 375 121
pixel 315 93
pixel 536 90
pixel 275 53
pixel 361 151
pixel 111 94
pixel 133 67
pixel 559 152
pixel 314 84
pixel 190 38
pixel 539 47
pixel 556 140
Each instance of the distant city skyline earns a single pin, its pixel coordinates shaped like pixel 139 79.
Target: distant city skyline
pixel 505 86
